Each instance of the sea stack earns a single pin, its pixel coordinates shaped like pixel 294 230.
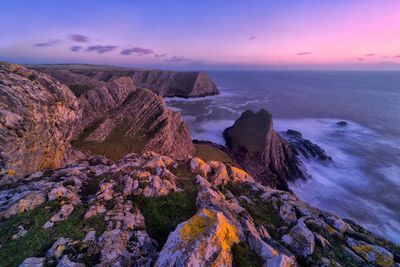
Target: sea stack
pixel 261 151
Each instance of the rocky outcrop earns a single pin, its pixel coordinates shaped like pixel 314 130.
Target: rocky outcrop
pixel 163 83
pixel 261 151
pixel 305 147
pixel 235 220
pixel 38 117
pixel 139 121
pixel 180 84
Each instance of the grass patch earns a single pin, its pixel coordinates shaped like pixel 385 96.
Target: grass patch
pixel 163 214
pixel 208 152
pixel 116 145
pixel 80 89
pixel 244 256
pixel 38 240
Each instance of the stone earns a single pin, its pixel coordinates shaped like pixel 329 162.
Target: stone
pixel 90 236
pixel 105 191
pixel 113 245
pixel 206 237
pixel 28 202
pixel 287 213
pixel 220 174
pixel 21 231
pixel 339 225
pixel 373 254
pixel 62 215
pixel 197 165
pixel 341 123
pixel 58 247
pixel 322 241
pixel 238 175
pixel 94 210
pixel 33 262
pixel 65 262
pixel 300 239
pixel 154 163
pixel 128 185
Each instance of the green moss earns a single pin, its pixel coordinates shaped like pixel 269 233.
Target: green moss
pixel 163 214
pixel 244 256
pixel 38 240
pixel 80 89
pixel 116 145
pixel 208 152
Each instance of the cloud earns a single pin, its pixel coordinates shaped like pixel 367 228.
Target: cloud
pixel 137 50
pixel 75 48
pixel 176 59
pixel 398 56
pixel 370 55
pixel 303 53
pixel 160 55
pixel 360 59
pixel 78 38
pixel 251 38
pixel 386 63
pixel 101 48
pixel 51 42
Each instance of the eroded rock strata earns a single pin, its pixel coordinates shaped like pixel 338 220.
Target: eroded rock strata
pixel 151 210
pixel 38 118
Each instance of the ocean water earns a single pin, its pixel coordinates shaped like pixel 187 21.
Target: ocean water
pixel 363 181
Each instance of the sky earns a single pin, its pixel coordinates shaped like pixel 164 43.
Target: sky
pixel 204 34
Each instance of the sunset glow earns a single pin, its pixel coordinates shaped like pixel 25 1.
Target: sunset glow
pixel 306 34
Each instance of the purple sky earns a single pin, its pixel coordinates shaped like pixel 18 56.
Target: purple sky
pixel 207 34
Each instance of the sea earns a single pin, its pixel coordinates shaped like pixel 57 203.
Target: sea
pixel 362 183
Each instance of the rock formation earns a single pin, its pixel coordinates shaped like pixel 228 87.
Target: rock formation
pixel 142 122
pixel 97 214
pixel 261 151
pixel 38 117
pixel 163 83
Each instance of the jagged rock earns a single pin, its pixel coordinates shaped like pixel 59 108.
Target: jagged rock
pixel 239 175
pixel 94 210
pixel 206 238
pixel 105 191
pixel 58 248
pixel 322 241
pixel 288 213
pixel 142 120
pixel 341 123
pixel 33 262
pixel 300 239
pixel 113 245
pixel 261 151
pixel 28 202
pixel 65 262
pixel 372 254
pixel 305 147
pixel 90 236
pixel 197 165
pixel 340 226
pixel 220 174
pixel 38 117
pixel 62 215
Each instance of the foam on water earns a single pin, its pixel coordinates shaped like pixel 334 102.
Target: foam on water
pixel 352 186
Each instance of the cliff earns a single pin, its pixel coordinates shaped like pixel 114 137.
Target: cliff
pixel 38 117
pixel 261 151
pixel 163 83
pixel 151 210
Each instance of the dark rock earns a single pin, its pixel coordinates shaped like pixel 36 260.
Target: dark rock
pixel 261 151
pixel 98 160
pixel 341 123
pixel 305 147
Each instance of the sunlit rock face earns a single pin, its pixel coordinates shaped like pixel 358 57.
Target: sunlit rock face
pixel 38 117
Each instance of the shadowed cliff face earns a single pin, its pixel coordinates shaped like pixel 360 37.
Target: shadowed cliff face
pixel 261 151
pixel 38 117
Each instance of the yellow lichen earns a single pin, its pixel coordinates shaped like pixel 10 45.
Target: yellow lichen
pixel 330 229
pixel 227 233
pixel 364 249
pixel 11 172
pixel 197 225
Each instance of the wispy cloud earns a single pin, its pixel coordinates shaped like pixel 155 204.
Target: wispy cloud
pixel 177 59
pixel 78 38
pixel 360 59
pixel 251 38
pixel 101 48
pixel 370 55
pixel 160 55
pixel 137 50
pixel 303 53
pixel 75 48
pixel 398 56
pixel 51 42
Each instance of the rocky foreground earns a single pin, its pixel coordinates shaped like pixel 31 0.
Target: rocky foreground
pixel 152 210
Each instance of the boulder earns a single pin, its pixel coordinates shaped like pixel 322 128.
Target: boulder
pixel 373 254
pixel 300 240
